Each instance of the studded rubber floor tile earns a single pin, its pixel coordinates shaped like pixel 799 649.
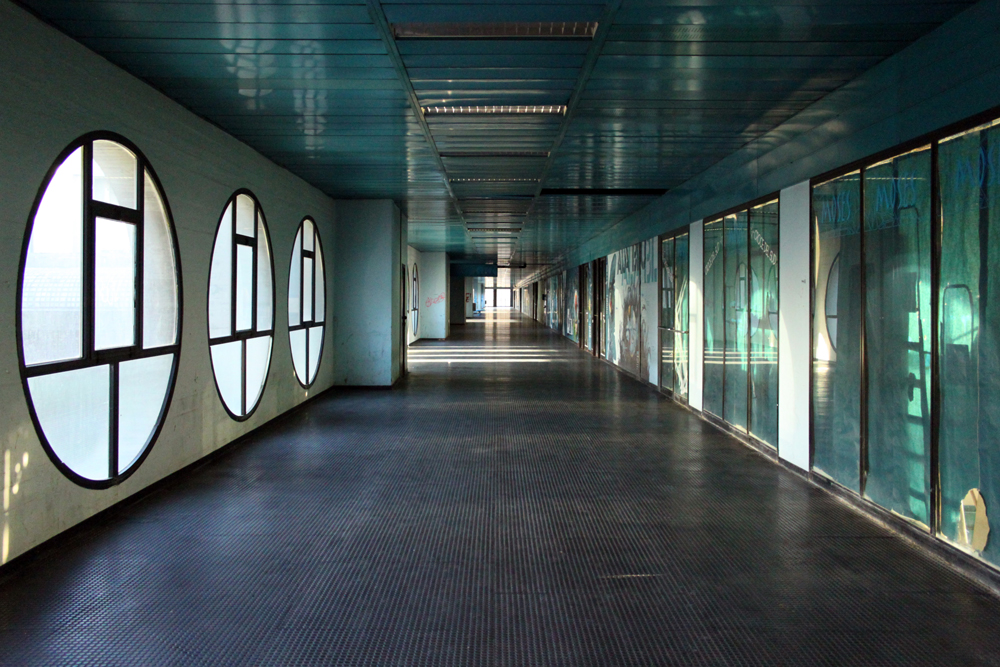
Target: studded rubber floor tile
pixel 513 502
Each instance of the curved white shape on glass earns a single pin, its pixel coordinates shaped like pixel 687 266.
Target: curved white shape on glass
pixel 241 305
pixel 306 302
pixel 99 339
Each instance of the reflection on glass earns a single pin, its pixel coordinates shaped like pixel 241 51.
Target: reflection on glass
pixel 898 332
pixel 715 318
pixel 764 323
pixel 836 354
pixel 681 315
pixel 737 313
pixel 969 326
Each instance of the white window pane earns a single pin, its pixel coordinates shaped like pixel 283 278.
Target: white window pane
pixel 115 173
pixel 307 289
pixel 315 347
pixel 159 273
pixel 295 283
pixel 72 408
pixel 307 234
pixel 227 363
pixel 220 283
pixel 52 284
pixel 244 287
pixel 297 339
pixel 258 359
pixel 244 215
pixel 265 299
pixel 320 286
pixel 142 388
pixel 114 284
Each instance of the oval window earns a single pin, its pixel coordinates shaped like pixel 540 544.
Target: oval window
pixel 306 302
pixel 99 310
pixel 241 305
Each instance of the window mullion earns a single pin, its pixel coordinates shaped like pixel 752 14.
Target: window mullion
pixel 88 283
pixel 113 422
pixel 138 278
pixel 253 267
pixel 233 292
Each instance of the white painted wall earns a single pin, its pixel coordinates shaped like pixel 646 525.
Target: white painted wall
pixel 470 286
pixel 434 299
pixel 696 337
pixel 793 326
pixel 53 90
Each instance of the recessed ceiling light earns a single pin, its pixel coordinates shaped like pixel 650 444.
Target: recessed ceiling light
pixel 559 109
pixel 499 30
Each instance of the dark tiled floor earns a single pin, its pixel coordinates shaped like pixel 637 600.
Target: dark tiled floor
pixel 521 505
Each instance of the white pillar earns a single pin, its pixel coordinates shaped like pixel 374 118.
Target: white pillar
pixel 696 314
pixel 793 326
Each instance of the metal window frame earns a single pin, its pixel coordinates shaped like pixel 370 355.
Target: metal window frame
pixel 415 300
pixel 313 322
pixel 235 334
pixel 91 357
pixel 744 434
pixel 672 235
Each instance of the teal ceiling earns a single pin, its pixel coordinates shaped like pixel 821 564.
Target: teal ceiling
pixel 656 93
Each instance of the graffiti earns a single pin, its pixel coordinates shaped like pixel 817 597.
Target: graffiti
pixel 430 302
pixel 714 255
pixel 771 255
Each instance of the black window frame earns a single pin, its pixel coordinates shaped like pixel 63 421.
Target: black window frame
pixel 303 325
pixel 252 332
pixel 91 357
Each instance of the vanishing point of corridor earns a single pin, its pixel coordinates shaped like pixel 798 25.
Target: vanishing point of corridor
pixel 514 502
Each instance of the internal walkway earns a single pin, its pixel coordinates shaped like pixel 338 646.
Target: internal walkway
pixel 513 502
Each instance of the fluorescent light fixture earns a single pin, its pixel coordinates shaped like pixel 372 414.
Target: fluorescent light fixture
pixel 473 110
pixel 493 180
pixel 493 230
pixel 458 154
pixel 498 30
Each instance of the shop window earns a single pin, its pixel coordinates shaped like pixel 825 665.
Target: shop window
pixel 99 310
pixel 241 305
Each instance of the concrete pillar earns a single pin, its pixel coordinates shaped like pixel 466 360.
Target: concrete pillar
pixel 794 356
pixel 434 320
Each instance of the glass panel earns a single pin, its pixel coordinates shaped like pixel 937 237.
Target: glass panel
pixel 227 362
pixel 667 373
pixel 115 174
pixel 315 348
pixel 764 323
pixel 836 345
pixel 898 333
pixel 52 284
pixel 244 287
pixel 667 283
pixel 220 283
pixel 307 285
pixel 295 283
pixel 265 295
pixel 297 340
pixel 715 317
pixel 969 348
pixel 737 319
pixel 258 359
pixel 307 236
pixel 114 284
pixel 72 409
pixel 142 389
pixel 681 285
pixel 320 307
pixel 244 215
pixel 159 273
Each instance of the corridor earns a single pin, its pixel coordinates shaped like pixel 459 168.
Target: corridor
pixel 513 501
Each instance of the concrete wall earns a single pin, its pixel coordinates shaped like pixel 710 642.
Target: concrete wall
pixel 434 296
pixel 696 315
pixel 53 90
pixel 367 276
